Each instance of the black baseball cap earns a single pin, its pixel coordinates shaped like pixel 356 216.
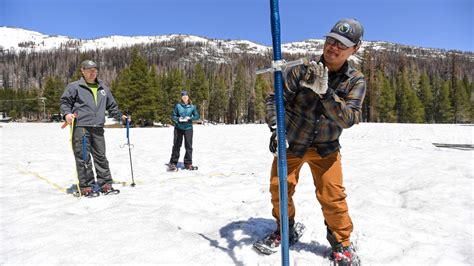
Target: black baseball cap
pixel 348 31
pixel 88 64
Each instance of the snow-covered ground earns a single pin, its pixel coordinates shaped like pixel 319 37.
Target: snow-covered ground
pixel 411 203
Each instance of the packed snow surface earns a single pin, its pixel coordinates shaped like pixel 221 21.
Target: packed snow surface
pixel 411 202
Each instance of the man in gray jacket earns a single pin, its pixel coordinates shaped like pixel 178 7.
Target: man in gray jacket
pixel 86 101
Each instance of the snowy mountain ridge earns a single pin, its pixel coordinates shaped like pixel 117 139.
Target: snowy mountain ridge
pixel 18 40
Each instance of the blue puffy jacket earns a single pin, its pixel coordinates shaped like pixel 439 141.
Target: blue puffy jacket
pixel 182 110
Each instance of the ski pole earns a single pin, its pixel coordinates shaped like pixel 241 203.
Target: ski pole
pixel 65 122
pixel 73 125
pixel 129 148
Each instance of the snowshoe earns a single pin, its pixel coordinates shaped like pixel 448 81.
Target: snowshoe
pixel 190 167
pixel 271 243
pixel 87 192
pixel 107 189
pixel 172 167
pixel 344 256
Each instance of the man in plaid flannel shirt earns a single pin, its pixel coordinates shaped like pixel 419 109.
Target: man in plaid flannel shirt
pixel 322 98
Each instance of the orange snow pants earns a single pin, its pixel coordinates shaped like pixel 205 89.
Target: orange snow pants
pixel 327 178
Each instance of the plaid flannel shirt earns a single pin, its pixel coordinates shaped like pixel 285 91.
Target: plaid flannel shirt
pixel 315 122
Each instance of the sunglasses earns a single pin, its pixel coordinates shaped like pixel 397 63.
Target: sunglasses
pixel 340 45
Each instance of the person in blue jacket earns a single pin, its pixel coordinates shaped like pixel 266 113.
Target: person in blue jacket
pixel 184 114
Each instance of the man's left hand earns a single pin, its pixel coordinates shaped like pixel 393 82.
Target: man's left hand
pixel 320 83
pixel 124 117
pixel 273 146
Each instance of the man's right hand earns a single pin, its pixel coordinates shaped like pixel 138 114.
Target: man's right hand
pixel 69 118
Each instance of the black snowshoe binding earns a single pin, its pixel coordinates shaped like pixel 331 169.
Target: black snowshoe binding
pixel 190 167
pixel 107 189
pixel 86 192
pixel 172 168
pixel 271 243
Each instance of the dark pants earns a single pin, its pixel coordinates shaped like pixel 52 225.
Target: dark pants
pixel 188 145
pixel 95 146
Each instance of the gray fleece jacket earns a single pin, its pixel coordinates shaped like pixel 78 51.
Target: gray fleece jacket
pixel 78 99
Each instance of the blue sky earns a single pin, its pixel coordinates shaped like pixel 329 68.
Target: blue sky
pixel 446 24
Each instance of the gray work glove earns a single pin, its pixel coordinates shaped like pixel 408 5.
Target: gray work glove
pixel 320 82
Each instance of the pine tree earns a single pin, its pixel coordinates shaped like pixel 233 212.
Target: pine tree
pixel 416 113
pixel 261 89
pixel 386 101
pixel 443 111
pixel 218 101
pixel 162 110
pixel 462 102
pixel 27 103
pixel 369 104
pixel 199 90
pixel 251 98
pixel 403 89
pixel 172 83
pixel 6 103
pixel 13 114
pixel 133 91
pixel 472 101
pixel 426 96
pixel 53 90
pixel 122 94
pixel 236 103
pixel 470 94
pixel 154 88
pixel 411 109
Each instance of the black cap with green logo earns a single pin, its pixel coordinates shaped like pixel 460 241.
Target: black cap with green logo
pixel 347 31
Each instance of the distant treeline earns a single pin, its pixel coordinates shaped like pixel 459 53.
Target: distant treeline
pixel 407 85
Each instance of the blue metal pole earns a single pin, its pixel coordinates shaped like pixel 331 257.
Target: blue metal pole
pixel 128 126
pixel 129 149
pixel 84 150
pixel 282 168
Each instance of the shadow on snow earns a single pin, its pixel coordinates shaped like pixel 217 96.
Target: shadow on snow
pixel 245 233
